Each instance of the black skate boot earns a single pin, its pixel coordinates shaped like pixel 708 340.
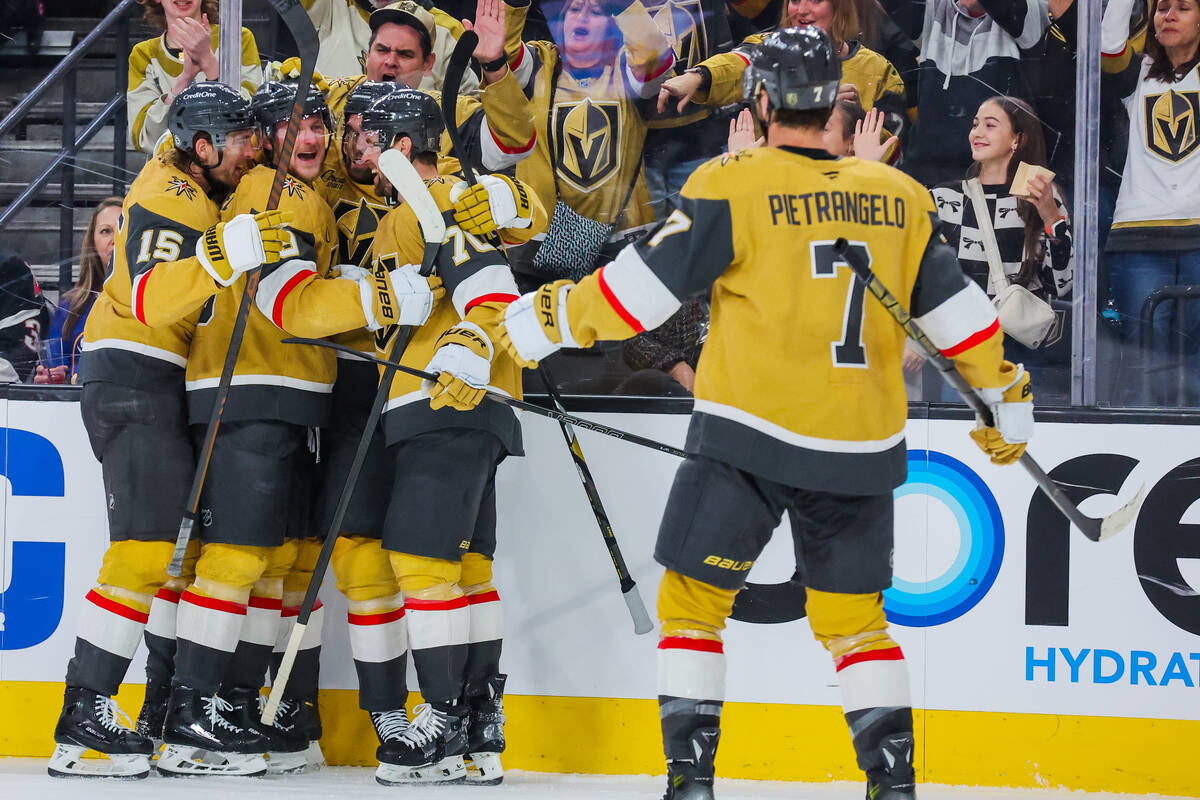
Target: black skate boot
pixel 692 779
pixel 389 727
pixel 285 750
pixel 894 779
pixel 299 723
pixel 430 750
pixel 200 739
pixel 91 721
pixel 485 734
pixel 154 712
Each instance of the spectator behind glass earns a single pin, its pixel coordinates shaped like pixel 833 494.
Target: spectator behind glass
pixel 850 131
pixel 584 96
pixel 24 317
pixel 970 51
pixel 1155 237
pixel 1033 235
pixel 866 75
pixel 66 329
pixel 163 67
pixel 664 360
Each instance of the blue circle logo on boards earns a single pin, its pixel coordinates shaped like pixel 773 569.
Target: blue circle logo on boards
pixel 948 596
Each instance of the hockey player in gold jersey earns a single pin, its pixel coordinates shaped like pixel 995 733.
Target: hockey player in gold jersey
pixel 434 586
pixel 497 128
pixel 252 529
pixel 377 116
pixel 136 345
pixel 800 403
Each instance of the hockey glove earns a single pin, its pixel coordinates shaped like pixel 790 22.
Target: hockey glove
pixel 1012 412
pixel 290 68
pixel 402 296
pixel 228 249
pixel 463 362
pixel 495 202
pixel 535 324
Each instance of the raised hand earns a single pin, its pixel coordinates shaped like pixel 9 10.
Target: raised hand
pixel 867 134
pixel 741 134
pixel 489 27
pixel 682 86
pixel 194 37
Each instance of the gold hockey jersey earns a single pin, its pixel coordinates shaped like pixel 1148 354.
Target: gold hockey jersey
pixel 479 285
pixel 799 380
pixel 877 81
pixel 272 380
pixel 140 328
pixel 496 129
pixel 590 130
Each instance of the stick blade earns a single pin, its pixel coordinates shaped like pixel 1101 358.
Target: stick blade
pixel 1117 521
pixel 403 176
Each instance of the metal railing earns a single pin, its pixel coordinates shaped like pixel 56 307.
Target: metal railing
pixel 64 161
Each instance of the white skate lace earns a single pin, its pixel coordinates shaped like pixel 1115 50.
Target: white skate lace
pixel 213 706
pixel 110 715
pixel 390 725
pixel 427 725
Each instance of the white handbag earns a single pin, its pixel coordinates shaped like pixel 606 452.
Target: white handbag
pixel 1023 315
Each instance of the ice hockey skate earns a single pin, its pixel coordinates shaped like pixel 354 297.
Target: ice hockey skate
pixel 485 734
pixel 200 739
pixel 298 726
pixel 91 721
pixel 692 778
pixel 896 780
pixel 429 750
pixel 154 711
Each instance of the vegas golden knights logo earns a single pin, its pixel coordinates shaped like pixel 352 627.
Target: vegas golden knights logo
pixel 1171 120
pixel 682 22
pixel 356 224
pixel 588 138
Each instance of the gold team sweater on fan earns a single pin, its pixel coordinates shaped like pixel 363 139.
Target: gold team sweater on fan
pixel 594 123
pixel 479 285
pixel 273 380
pixel 800 380
pixel 140 327
pixel 153 70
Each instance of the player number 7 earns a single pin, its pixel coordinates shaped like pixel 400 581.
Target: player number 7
pixel 849 350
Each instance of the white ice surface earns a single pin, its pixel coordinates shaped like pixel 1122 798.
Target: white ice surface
pixel 22 778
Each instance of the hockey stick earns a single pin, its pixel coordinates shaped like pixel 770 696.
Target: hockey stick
pixel 503 399
pixel 1095 529
pixel 307 43
pixel 629 590
pixel 404 178
pixel 633 598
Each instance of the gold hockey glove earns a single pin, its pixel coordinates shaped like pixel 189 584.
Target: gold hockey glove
pixel 535 324
pixel 1012 412
pixel 228 249
pixel 463 362
pixel 497 201
pixel 290 68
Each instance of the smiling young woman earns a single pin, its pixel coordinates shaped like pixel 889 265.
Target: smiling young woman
pixel 186 52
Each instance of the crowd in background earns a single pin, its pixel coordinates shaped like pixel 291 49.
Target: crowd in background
pixel 973 98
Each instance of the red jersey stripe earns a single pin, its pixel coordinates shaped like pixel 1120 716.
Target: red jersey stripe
pixel 270 603
pixel 212 603
pixel 525 148
pixel 622 312
pixel 139 307
pixel 375 619
pixel 113 607
pixel 972 340
pixel 685 643
pixel 494 297
pixel 277 307
pixel 890 654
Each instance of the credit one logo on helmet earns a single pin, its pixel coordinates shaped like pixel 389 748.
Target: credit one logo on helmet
pixel 947 596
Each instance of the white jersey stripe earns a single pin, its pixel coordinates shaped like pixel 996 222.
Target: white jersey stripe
pixel 136 347
pixel 791 437
pixel 262 380
pixel 959 317
pixel 638 289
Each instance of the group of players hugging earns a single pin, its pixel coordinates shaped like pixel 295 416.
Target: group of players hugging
pixel 799 409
